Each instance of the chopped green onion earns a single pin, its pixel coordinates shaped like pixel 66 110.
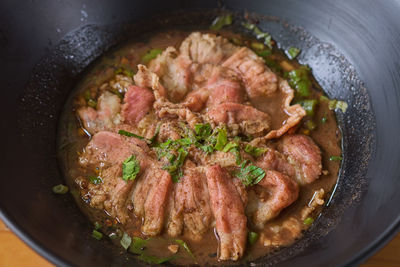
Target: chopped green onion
pixel 310 125
pixel 97 235
pixel 300 81
pixel 250 174
pixel 137 245
pixel 248 25
pixel 203 131
pixel 60 189
pixel 255 151
pixel 221 21
pixel 308 221
pixel 92 103
pixel 293 52
pixel 130 168
pixel 257 45
pixel 338 104
pixel 185 246
pixel 229 146
pixel 95 179
pixel 153 259
pixel 222 139
pixel 126 72
pixel 252 237
pixel 113 236
pixel 151 54
pixel 126 241
pixel 263 53
pixel 129 134
pixel 97 225
pixel 153 138
pixel 335 158
pixel 237 41
pixel 309 106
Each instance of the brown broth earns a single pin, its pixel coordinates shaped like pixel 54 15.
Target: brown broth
pixel 72 140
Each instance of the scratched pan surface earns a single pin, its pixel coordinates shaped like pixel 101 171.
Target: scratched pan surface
pixel 352 46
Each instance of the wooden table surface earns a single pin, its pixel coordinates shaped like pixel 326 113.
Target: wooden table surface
pixel 13 252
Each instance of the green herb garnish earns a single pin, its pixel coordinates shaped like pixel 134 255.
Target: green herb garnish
pixel 255 151
pixel 97 235
pixel 293 52
pixel 153 259
pixel 221 139
pixel 252 237
pixel 97 225
pixel 309 105
pixel 335 158
pixel 151 54
pixel 175 164
pixel 337 104
pixel 125 71
pixel 130 168
pixel 221 21
pixel 60 189
pixel 250 174
pixel 126 241
pixel 137 245
pixel 267 40
pixel 203 131
pixel 308 221
pixel 95 179
pixel 299 79
pixel 129 134
pixel 186 247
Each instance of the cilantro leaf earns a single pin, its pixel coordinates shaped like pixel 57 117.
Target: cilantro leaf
pixel 250 174
pixel 130 168
pixel 203 131
pixel 221 139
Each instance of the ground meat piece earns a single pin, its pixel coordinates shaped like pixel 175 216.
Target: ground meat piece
pixel 228 211
pixel 259 80
pixel 251 121
pixel 281 192
pixel 304 155
pixel 138 102
pixel 106 115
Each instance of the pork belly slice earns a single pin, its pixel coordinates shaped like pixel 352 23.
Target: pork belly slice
pixel 138 102
pixel 304 155
pixel 295 112
pixel 104 117
pixel 228 210
pixel 250 120
pixel 108 150
pixel 272 194
pixel 259 80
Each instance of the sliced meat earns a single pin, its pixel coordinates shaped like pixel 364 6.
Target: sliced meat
pixel 304 155
pixel 278 191
pixel 197 99
pixel 250 120
pixel 146 78
pixel 222 86
pixel 295 112
pixel 150 197
pixel 138 102
pixel 165 109
pixel 193 193
pixel 174 221
pixel 155 204
pixel 228 211
pixel 106 115
pixel 108 150
pixel 174 73
pixel 259 80
pixel 274 160
pixel 206 48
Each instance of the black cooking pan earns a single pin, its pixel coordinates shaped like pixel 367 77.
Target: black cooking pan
pixel 353 48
